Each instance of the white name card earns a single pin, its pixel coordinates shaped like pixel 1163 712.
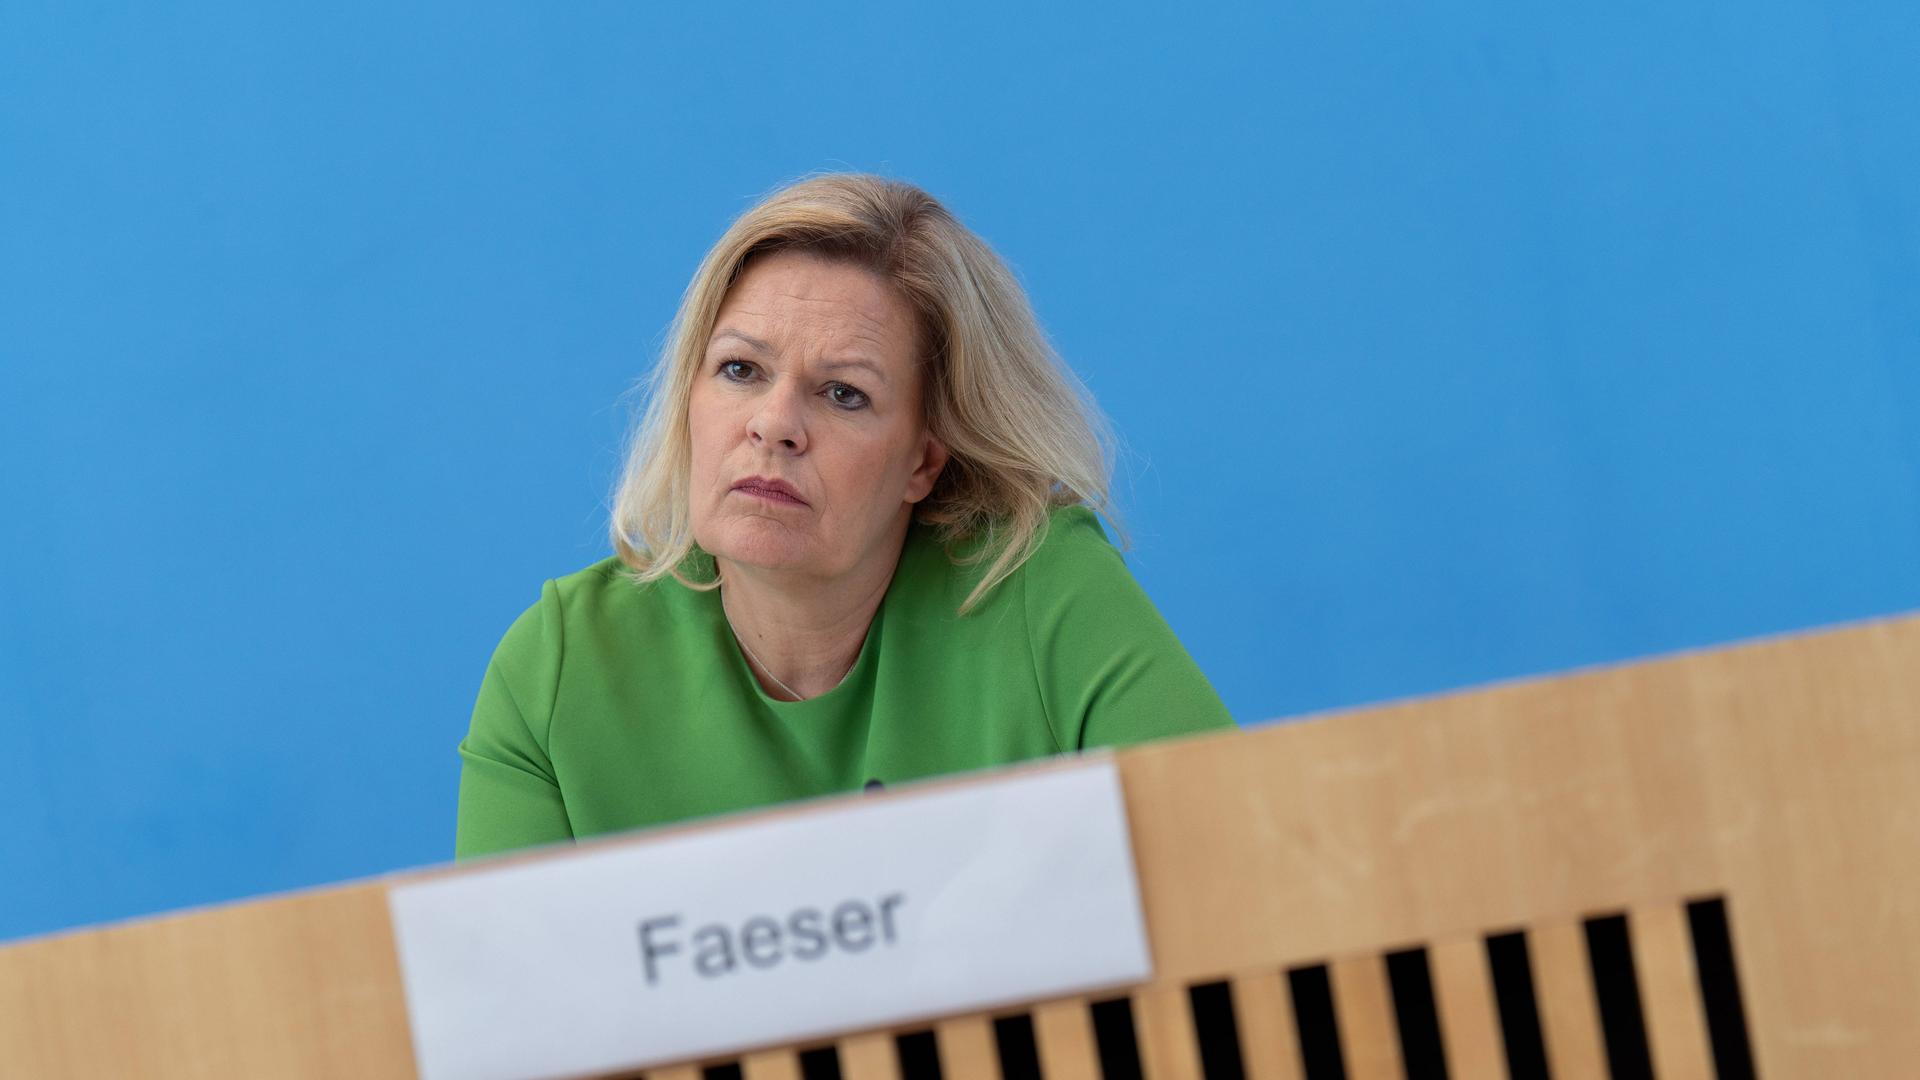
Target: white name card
pixel 821 920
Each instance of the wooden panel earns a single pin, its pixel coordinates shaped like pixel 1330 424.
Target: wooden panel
pixel 1784 775
pixel 1670 993
pixel 777 1064
pixel 1469 1016
pixel 1263 1011
pixel 1363 1006
pixel 675 1072
pixel 1163 1024
pixel 967 1048
pixel 306 985
pixel 869 1056
pixel 1569 1015
pixel 1063 1035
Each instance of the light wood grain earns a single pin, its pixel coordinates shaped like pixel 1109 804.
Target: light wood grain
pixel 306 985
pixel 1469 1015
pixel 1670 993
pixel 1783 775
pixel 780 1063
pixel 869 1056
pixel 1063 1035
pixel 1263 1013
pixel 1569 1013
pixel 967 1048
pixel 1163 1026
pixel 1363 1008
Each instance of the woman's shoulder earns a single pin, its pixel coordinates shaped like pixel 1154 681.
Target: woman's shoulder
pixel 597 584
pixel 1076 528
pixel 583 605
pixel 1074 554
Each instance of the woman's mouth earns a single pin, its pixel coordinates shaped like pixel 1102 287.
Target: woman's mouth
pixel 770 490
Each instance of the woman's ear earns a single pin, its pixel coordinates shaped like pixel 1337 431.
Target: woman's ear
pixel 933 458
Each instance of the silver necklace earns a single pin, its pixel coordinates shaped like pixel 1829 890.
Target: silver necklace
pixel 761 664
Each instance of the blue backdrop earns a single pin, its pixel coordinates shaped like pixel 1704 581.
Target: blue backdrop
pixel 1451 342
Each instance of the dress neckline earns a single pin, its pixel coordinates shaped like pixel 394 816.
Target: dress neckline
pixel 847 689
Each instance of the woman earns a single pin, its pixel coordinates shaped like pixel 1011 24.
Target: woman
pixel 854 540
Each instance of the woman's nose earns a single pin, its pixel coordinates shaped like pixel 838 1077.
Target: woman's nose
pixel 779 420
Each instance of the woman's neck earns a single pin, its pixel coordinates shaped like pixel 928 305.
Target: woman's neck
pixel 805 634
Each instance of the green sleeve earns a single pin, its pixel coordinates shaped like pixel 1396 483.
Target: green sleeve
pixel 509 797
pixel 1110 669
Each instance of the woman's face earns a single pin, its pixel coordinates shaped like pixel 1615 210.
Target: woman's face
pixel 809 449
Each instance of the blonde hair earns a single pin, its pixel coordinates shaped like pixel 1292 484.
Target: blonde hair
pixel 1022 433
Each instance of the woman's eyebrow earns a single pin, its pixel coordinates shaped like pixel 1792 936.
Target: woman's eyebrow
pixel 868 365
pixel 743 336
pixel 756 343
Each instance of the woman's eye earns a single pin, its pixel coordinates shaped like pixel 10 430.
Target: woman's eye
pixel 737 370
pixel 846 396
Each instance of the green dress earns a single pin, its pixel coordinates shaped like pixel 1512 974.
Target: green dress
pixel 611 706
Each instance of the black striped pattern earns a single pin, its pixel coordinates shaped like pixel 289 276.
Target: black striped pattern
pixel 1315 1022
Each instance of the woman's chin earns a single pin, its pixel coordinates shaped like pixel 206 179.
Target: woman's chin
pixel 762 545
